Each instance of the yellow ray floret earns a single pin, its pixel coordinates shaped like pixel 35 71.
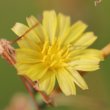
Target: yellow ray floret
pixel 55 51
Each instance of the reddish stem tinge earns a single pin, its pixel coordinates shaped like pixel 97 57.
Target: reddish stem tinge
pixel 8 53
pixel 29 89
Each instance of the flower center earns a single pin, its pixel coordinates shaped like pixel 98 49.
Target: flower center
pixel 55 56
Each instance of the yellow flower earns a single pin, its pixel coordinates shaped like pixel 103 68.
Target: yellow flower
pixel 55 52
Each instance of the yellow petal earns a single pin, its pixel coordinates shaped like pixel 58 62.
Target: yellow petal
pixel 33 71
pixel 87 67
pixel 94 52
pixel 86 54
pixel 65 82
pixel 38 29
pixel 76 31
pixel 75 52
pixel 50 24
pixel 29 40
pixel 19 29
pixel 87 61
pixel 85 41
pixel 63 26
pixel 78 79
pixel 26 56
pixel 90 64
pixel 27 51
pixel 48 83
pixel 37 72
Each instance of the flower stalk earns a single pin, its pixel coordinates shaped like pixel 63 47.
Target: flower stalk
pixel 29 89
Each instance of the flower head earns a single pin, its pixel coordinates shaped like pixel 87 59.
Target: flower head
pixel 56 51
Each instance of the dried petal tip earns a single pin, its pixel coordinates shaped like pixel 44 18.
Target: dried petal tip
pixel 1 49
pixel 106 50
